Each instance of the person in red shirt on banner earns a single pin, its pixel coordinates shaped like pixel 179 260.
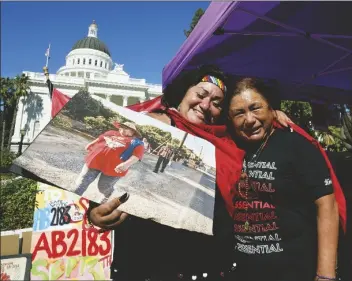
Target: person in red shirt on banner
pixel 110 156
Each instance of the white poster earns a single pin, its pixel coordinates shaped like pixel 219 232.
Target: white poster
pixel 103 153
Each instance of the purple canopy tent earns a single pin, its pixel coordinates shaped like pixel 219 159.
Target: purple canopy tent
pixel 306 46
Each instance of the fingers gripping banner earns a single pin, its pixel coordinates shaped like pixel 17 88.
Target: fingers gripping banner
pixel 64 246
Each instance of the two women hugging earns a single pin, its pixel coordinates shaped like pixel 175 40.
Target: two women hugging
pixel 284 226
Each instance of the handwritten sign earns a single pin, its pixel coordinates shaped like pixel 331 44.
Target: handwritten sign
pixel 15 267
pixel 64 245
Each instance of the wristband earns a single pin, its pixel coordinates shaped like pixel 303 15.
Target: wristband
pixel 320 277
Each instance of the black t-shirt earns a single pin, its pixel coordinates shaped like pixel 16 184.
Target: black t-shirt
pixel 146 250
pixel 284 181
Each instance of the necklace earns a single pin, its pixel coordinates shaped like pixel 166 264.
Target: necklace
pixel 245 178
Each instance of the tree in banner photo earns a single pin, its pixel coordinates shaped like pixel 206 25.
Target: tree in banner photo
pixel 64 246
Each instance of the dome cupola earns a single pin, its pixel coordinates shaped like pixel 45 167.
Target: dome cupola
pixel 92 41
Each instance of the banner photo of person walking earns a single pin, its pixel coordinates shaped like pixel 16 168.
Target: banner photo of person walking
pixel 103 158
pixel 64 245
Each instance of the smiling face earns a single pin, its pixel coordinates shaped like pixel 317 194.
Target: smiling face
pixel 251 115
pixel 202 103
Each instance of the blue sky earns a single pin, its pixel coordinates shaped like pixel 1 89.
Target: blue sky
pixel 144 36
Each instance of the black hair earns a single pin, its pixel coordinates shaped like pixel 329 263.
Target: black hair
pixel 268 89
pixel 175 92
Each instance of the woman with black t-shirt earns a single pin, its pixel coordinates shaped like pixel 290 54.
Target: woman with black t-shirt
pixel 286 216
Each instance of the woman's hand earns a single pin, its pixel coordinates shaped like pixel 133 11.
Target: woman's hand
pixel 282 118
pixel 122 167
pixel 107 216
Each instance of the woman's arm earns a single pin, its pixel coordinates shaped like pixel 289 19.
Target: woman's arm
pixel 328 228
pixel 282 118
pixel 91 143
pixel 314 176
pixel 127 164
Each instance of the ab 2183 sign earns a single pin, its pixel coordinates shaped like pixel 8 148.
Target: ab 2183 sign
pixel 64 246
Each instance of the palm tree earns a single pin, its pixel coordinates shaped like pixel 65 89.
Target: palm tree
pixel 326 139
pixel 337 138
pixel 12 90
pixel 346 131
pixel 5 87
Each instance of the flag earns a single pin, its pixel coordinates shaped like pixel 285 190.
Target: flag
pixel 58 101
pixel 47 53
pixel 50 86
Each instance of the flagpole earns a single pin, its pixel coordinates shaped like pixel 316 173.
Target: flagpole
pixel 46 72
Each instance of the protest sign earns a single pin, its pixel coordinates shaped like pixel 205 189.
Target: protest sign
pixel 64 246
pixel 15 267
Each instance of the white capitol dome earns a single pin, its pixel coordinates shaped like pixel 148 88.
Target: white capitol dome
pixel 91 58
pixel 88 65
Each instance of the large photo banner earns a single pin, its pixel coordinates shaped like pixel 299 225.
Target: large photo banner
pixel 64 246
pixel 106 151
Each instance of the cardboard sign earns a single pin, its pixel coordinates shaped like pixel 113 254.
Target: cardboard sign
pixel 64 246
pixel 15 267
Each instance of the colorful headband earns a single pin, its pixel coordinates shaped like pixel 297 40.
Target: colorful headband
pixel 215 81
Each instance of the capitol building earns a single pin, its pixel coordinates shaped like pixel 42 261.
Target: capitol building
pixel 89 66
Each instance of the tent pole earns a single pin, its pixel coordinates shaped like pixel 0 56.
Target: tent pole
pixel 283 34
pixel 332 36
pixel 298 31
pixel 335 71
pixel 325 70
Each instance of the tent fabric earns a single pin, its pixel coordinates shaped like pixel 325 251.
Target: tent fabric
pixel 306 46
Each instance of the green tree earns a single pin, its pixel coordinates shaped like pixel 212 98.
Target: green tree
pixel 12 90
pixel 83 105
pixel 332 139
pixel 197 15
pixel 17 202
pixel 346 130
pixel 300 112
pixel 175 143
pixel 154 135
pixel 97 125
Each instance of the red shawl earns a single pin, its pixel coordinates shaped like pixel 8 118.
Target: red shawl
pixel 229 157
